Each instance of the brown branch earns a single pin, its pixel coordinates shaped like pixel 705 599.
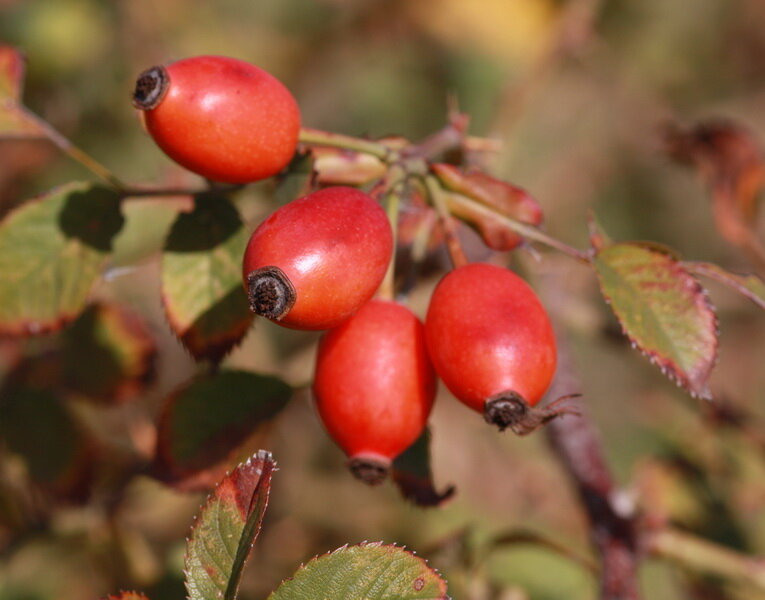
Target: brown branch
pixel 576 443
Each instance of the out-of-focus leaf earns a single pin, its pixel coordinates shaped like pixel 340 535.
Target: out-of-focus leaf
pixel 599 239
pixel 663 310
pixel 369 571
pixel 730 159
pixel 335 166
pixel 204 424
pixel 297 180
pixel 11 73
pixel 107 354
pixel 127 596
pixel 226 528
pixel 412 474
pixel 750 286
pixel 500 196
pixel 51 252
pixel 202 288
pixel 15 121
pixel 36 425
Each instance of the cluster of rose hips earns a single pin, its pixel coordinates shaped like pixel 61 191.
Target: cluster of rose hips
pixel 316 263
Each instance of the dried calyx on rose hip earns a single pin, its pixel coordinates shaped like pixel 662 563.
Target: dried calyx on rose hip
pixel 492 343
pixel 374 386
pixel 220 117
pixel 315 261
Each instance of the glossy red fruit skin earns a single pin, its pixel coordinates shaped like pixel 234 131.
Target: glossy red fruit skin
pixel 488 333
pixel 334 245
pixel 374 384
pixel 225 119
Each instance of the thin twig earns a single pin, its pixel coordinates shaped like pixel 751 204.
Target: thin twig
pixel 456 253
pixel 316 137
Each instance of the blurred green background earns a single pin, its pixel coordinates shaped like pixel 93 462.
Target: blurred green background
pixel 580 130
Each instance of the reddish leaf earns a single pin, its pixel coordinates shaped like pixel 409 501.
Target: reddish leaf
pixel 202 291
pixel 118 342
pixel 412 475
pixel 502 197
pixel 15 121
pixel 730 160
pixel 204 425
pixel 127 596
pixel 226 529
pixel 663 310
pixel 12 69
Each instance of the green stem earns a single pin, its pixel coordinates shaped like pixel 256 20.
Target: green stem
pixel 456 253
pixel 393 203
pixel 523 229
pixel 706 557
pixel 316 137
pixel 82 157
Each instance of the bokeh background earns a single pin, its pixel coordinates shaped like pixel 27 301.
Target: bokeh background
pixel 577 93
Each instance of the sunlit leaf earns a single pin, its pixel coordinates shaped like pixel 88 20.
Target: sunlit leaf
pixel 412 474
pixel 52 250
pixel 663 310
pixel 225 530
pixel 369 571
pixel 202 288
pixel 115 340
pixel 203 425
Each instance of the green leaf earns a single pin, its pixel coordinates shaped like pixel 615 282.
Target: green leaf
pixel 749 286
pixel 52 250
pixel 204 300
pixel 412 474
pixel 369 571
pixel 36 425
pixel 663 310
pixel 203 425
pixel 297 180
pixel 225 530
pixel 116 340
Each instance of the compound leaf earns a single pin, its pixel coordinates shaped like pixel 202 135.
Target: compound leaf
pixel 662 309
pixel 368 571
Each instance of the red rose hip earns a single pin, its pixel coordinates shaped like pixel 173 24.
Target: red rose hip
pixel 492 343
pixel 315 261
pixel 374 386
pixel 220 117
